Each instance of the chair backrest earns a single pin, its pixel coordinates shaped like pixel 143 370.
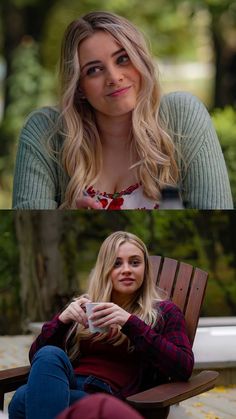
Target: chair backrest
pixel 184 285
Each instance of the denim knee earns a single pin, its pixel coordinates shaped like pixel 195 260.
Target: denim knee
pixel 16 408
pixel 49 353
pixel 50 357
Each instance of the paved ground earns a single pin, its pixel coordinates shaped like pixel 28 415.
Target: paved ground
pixel 219 403
pixel 14 350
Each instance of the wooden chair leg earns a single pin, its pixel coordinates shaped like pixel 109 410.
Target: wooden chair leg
pixel 1 400
pixel 161 413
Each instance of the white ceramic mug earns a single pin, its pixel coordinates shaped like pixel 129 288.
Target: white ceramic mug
pixel 89 311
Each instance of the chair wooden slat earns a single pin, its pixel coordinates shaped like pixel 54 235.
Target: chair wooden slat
pixel 182 284
pixel 167 275
pixel 156 265
pixel 195 298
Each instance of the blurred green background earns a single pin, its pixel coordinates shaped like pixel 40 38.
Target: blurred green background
pixel 46 256
pixel 194 42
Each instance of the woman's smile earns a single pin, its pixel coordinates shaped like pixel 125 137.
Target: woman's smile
pixel 120 92
pixel 127 281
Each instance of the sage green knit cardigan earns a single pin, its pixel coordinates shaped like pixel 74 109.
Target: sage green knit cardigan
pixel 40 183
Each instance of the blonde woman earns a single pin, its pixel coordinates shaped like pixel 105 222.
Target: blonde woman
pixel 145 342
pixel 114 142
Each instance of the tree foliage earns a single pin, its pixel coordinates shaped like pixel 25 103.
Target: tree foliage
pixel 9 277
pixel 225 124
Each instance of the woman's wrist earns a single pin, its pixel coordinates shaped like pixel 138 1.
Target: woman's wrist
pixel 63 318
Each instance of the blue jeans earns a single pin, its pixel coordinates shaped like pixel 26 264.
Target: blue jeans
pixel 52 386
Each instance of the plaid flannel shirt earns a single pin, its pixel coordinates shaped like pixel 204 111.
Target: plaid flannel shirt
pixel 166 348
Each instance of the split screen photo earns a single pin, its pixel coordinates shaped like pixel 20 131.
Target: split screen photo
pixel 117 220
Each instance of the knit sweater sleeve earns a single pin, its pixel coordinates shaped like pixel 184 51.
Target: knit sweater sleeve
pixel 204 181
pixel 166 346
pixel 36 178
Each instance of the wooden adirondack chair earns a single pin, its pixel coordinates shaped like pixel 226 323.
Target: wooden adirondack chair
pixel 185 286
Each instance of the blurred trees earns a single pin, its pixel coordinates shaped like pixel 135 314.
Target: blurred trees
pixel 10 317
pixel 221 27
pixel 223 34
pixel 225 123
pixel 46 258
pixel 22 26
pixel 43 283
pixel 22 20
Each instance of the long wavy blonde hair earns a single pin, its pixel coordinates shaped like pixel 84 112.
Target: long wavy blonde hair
pixel 81 154
pixel 144 303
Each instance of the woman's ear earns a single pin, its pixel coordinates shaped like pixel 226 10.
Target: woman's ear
pixel 79 95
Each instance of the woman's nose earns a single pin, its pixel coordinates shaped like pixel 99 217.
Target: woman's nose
pixel 114 76
pixel 125 267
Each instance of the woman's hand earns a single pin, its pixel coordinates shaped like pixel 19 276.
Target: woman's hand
pixel 88 202
pixel 75 312
pixel 107 314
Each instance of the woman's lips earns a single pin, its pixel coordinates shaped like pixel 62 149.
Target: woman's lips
pixel 127 280
pixel 119 92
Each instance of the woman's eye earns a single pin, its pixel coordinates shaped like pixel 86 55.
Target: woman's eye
pixel 123 59
pixel 93 70
pixel 135 262
pixel 117 263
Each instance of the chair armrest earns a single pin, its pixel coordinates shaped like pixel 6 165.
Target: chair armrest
pixel 13 378
pixel 167 394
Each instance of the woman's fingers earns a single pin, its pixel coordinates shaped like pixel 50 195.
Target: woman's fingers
pixel 109 313
pixel 75 312
pixel 78 313
pixel 104 320
pixel 103 315
pixel 88 202
pixel 82 301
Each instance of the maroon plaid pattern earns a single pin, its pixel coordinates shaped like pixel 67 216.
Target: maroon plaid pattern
pixel 167 346
pixel 165 349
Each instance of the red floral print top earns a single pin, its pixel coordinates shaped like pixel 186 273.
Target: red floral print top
pixel 130 198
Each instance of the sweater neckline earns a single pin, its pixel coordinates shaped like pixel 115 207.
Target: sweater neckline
pixel 92 192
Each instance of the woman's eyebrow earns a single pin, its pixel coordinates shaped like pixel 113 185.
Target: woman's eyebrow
pixel 117 52
pixel 98 61
pixel 130 257
pixel 135 257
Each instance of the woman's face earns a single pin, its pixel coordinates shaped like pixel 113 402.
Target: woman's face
pixel 127 274
pixel 109 81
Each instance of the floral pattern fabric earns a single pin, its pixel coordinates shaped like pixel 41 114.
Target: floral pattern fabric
pixel 130 198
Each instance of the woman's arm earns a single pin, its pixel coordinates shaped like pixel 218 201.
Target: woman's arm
pixel 166 347
pixel 204 181
pixel 37 178
pixel 53 333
